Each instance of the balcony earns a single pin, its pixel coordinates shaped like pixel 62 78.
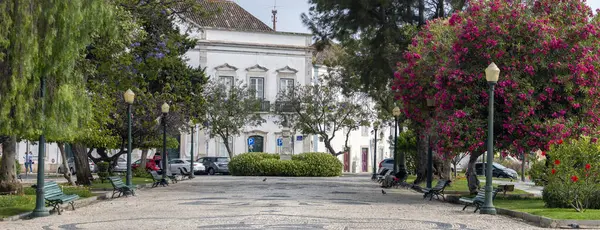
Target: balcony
pixel 284 106
pixel 265 106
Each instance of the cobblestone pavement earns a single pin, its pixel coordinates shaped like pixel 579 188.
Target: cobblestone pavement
pixel 224 202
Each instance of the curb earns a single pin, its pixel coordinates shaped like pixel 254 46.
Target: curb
pixel 102 195
pixel 539 221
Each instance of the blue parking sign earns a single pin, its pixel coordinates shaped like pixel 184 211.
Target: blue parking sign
pixel 251 141
pixel 279 142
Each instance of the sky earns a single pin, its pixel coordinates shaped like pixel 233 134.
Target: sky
pixel 288 12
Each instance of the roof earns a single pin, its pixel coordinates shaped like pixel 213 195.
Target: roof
pixel 225 14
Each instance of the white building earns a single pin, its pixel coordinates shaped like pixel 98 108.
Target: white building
pixel 235 45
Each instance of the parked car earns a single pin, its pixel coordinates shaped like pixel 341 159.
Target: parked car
pixel 150 165
pixel 387 163
pixel 499 171
pixel 121 165
pixel 175 164
pixel 215 165
pixel 73 169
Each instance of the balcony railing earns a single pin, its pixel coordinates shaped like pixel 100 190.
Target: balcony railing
pixel 265 106
pixel 283 106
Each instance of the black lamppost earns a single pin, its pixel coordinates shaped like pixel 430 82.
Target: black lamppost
pixel 491 75
pixel 165 109
pixel 375 127
pixel 193 127
pixel 40 205
pixel 129 97
pixel 431 105
pixel 396 113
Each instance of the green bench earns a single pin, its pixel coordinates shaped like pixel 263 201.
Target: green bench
pixel 55 197
pixel 158 180
pixel 120 187
pixel 437 191
pixel 478 200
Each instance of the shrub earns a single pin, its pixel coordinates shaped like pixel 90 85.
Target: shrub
pixel 140 172
pixel 573 179
pixel 306 164
pixel 103 170
pixel 538 173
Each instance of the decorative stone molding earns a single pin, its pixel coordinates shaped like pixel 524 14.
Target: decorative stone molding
pixel 226 67
pixel 287 69
pixel 257 68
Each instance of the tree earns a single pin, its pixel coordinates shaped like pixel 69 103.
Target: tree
pixel 148 58
pixel 547 53
pixel 320 109
pixel 230 108
pixel 40 43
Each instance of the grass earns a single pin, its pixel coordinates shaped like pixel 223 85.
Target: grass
pixel 11 205
pixel 97 185
pixel 460 184
pixel 536 207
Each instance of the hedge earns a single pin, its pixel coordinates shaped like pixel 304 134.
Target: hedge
pixel 301 165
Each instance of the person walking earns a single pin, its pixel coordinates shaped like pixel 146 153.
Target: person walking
pixel 28 161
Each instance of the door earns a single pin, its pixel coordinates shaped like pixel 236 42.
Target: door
pixel 258 144
pixel 346 161
pixel 365 159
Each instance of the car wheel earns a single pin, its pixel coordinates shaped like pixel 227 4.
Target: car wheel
pixel 211 171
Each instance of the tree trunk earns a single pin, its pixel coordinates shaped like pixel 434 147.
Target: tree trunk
pixel 455 173
pixel 472 180
pixel 82 164
pixel 421 157
pixel 523 167
pixel 328 146
pixel 65 166
pixel 143 158
pixel 421 12
pixel 226 142
pixel 442 168
pixel 8 172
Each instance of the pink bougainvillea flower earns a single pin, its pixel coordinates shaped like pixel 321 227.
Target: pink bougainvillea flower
pixel 574 178
pixel 556 162
pixel 553 171
pixel 588 167
pixel 594 139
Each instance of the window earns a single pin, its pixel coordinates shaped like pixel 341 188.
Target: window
pixel 257 85
pixel 222 149
pixel 364 130
pixel 286 85
pixel 226 80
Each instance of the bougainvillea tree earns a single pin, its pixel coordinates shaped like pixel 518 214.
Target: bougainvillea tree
pixel 547 51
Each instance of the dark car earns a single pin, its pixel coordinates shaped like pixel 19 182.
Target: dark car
pixel 499 171
pixel 215 165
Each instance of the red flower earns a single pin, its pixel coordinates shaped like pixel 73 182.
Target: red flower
pixel 556 162
pixel 543 153
pixel 560 142
pixel 588 167
pixel 574 178
pixel 553 171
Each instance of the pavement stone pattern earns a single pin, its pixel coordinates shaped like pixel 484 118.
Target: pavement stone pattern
pixel 226 202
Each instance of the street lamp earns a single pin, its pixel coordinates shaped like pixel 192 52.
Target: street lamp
pixel 491 75
pixel 40 205
pixel 396 113
pixel 431 105
pixel 375 127
pixel 165 109
pixel 129 97
pixel 193 127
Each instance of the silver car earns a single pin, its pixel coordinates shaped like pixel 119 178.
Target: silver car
pixel 121 165
pixel 175 164
pixel 72 168
pixel 215 165
pixel 387 163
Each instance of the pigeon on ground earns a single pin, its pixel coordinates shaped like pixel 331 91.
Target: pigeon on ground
pixel 574 225
pixel 265 179
pixel 383 192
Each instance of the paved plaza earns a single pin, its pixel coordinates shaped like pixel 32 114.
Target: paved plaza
pixel 225 202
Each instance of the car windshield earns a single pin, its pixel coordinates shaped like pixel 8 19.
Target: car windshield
pixel 222 159
pixel 499 166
